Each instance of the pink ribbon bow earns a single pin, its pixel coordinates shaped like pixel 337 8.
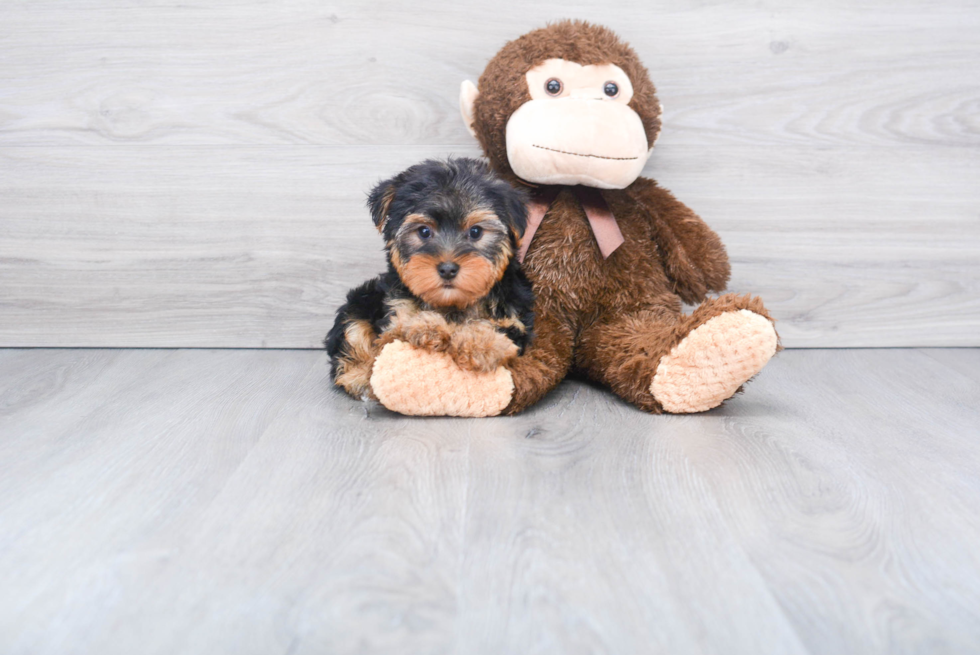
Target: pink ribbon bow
pixel 601 220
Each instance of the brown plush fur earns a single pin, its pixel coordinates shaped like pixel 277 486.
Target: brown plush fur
pixel 612 319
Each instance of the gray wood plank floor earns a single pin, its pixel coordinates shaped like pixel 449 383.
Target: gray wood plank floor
pixel 189 501
pixel 193 173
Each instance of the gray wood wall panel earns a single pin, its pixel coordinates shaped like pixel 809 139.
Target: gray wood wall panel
pixel 192 174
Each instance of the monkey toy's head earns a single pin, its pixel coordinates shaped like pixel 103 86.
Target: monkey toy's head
pixel 566 104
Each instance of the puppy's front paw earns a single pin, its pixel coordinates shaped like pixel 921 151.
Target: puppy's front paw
pixel 480 348
pixel 426 332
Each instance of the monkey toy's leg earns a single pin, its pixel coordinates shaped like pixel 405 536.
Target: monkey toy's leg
pixel 543 365
pixel 662 361
pixel 421 383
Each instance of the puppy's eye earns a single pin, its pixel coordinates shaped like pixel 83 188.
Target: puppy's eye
pixel 425 232
pixel 611 89
pixel 476 232
pixel 553 86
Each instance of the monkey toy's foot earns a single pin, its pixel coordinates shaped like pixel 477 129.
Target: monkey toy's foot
pixel 716 358
pixel 418 382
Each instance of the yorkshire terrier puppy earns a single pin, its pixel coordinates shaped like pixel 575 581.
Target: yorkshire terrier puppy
pixel 451 230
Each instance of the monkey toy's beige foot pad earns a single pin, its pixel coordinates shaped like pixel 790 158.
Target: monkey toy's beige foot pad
pixel 417 382
pixel 713 361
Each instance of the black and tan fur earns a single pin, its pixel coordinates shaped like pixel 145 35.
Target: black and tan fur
pixel 451 230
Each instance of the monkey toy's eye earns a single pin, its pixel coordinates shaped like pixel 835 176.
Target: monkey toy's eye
pixel 476 232
pixel 425 232
pixel 611 89
pixel 553 86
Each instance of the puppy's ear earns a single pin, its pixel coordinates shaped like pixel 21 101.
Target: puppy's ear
pixel 515 202
pixel 379 201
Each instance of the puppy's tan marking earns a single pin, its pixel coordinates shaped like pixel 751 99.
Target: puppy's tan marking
pixel 413 221
pixel 354 367
pixel 474 345
pixel 477 275
pixel 479 347
pixel 402 310
pixel 426 329
pixel 507 323
pixel 422 278
pixel 484 216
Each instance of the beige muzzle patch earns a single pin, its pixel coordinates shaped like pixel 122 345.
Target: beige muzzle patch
pixel 587 141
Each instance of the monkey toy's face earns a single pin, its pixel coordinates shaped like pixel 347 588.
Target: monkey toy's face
pixel 578 127
pixel 567 104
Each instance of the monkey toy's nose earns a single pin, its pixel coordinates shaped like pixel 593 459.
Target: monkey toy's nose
pixel 447 270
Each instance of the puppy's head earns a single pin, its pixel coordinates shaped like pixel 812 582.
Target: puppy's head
pixel 450 228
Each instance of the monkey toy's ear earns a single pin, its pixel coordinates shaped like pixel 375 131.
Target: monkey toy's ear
pixel 379 200
pixel 467 96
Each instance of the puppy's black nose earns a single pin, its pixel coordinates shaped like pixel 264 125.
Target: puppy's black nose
pixel 447 270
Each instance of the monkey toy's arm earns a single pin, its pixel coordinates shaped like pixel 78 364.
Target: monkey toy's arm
pixel 352 341
pixel 693 255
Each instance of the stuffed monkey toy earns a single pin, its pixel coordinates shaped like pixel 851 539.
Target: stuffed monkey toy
pixel 569 113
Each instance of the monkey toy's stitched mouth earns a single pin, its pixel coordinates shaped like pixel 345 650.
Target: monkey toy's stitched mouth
pixel 578 154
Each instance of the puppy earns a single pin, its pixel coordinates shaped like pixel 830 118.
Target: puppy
pixel 451 231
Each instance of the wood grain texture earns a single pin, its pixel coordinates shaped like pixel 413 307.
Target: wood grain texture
pixel 256 246
pixel 192 174
pixel 387 73
pixel 228 501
